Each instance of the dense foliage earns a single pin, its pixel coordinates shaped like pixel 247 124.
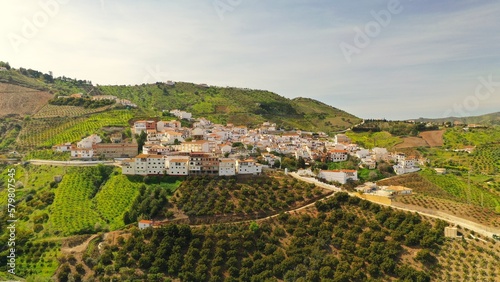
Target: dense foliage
pixel 81 102
pixel 73 211
pixel 151 202
pixel 204 196
pixel 234 105
pixel 348 240
pixel 43 133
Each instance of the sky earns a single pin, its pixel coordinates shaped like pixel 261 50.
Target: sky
pixel 373 58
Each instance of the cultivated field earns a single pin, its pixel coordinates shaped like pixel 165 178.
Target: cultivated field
pixel 20 100
pixel 49 132
pixel 410 142
pixel 52 111
pixel 433 138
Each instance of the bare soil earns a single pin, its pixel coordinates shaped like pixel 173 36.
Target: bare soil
pixel 433 138
pixel 410 142
pixel 17 100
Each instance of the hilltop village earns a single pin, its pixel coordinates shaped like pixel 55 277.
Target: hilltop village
pixel 206 148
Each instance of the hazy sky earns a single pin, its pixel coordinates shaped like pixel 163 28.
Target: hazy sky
pixel 375 59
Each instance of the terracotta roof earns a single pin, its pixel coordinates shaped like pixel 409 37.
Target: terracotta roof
pixel 180 160
pixel 145 156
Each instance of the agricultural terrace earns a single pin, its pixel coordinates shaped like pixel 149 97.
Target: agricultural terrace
pixel 38 260
pixel 92 199
pixel 473 259
pixel 115 197
pixel 200 196
pixel 370 140
pixel 342 237
pixel 429 204
pixel 49 132
pixel 486 159
pixel 52 111
pixel 458 138
pixel 450 193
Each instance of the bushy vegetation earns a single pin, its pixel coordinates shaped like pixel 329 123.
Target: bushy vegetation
pixel 346 239
pixel 38 260
pixel 47 154
pixel 115 198
pixel 458 187
pixel 486 159
pixel 448 186
pixel 203 196
pixel 73 211
pixel 52 111
pixel 43 133
pixel 234 105
pixel 152 202
pixel 86 103
pixel 458 138
pixel 396 128
pixel 9 130
pixel 370 140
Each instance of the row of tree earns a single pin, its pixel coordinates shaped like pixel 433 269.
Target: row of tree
pixel 347 239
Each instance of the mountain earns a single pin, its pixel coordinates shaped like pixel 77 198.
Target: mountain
pixel 240 106
pixel 235 105
pixel 487 119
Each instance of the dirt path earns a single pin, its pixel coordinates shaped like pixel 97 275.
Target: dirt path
pixel 80 248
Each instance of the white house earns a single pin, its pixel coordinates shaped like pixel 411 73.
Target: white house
pixel 144 165
pixel 88 142
pixel 168 125
pixel 338 155
pixel 380 153
pixel 369 162
pixel 223 149
pixel 181 114
pixel 194 146
pixel 177 165
pixel 227 167
pixel 341 138
pixel 362 153
pixel 169 137
pixel 66 147
pixel 143 224
pixel 248 167
pixel 144 125
pixel 406 165
pixel 340 176
pixel 82 153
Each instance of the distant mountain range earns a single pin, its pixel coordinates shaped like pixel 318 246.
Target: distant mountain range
pixel 487 119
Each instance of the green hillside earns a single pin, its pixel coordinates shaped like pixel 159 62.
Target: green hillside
pixel 235 105
pixel 218 104
pixel 488 119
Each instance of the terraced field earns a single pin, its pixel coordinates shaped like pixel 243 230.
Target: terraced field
pixel 44 133
pixel 22 101
pixel 52 111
